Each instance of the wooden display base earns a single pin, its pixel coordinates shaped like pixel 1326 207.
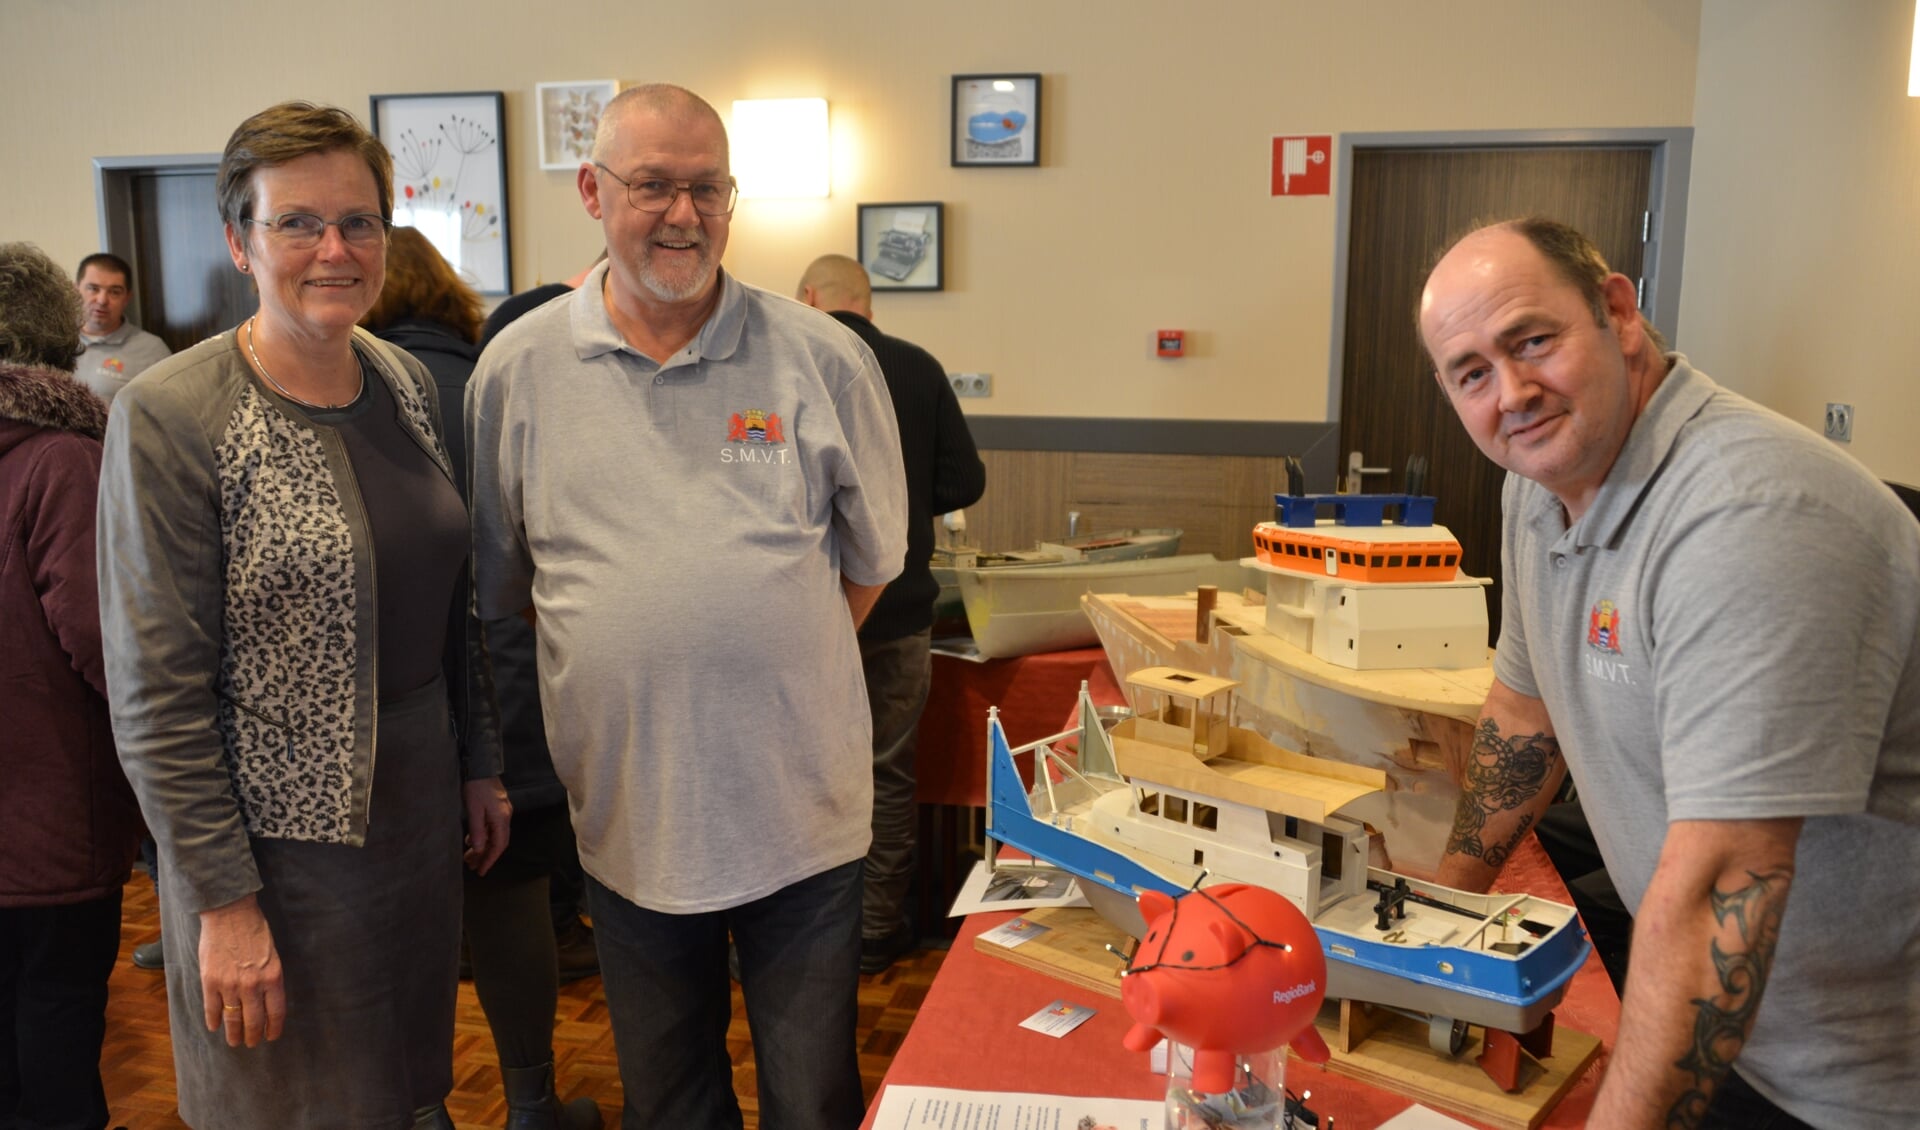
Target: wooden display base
pixel 1393 1055
pixel 1072 950
pixel 1373 1045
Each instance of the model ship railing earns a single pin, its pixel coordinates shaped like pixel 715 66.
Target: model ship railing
pixel 1045 756
pixel 1492 918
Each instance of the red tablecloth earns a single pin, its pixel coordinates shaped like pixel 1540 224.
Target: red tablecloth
pixel 966 1034
pixel 1033 692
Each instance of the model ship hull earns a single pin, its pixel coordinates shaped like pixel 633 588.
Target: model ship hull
pixel 1416 725
pixel 1093 549
pixel 1027 611
pixel 1454 955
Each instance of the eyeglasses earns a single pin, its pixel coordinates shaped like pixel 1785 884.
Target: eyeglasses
pixel 304 229
pixel 656 194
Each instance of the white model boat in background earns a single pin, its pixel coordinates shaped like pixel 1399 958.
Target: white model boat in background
pixel 1023 611
pixel 1028 601
pixel 1093 549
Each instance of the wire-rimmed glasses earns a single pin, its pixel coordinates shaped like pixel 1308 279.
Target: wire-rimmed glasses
pixel 657 194
pixel 304 229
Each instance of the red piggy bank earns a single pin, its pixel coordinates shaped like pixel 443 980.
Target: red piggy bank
pixel 1225 970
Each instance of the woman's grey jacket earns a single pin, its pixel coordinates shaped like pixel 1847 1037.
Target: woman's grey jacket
pixel 238 614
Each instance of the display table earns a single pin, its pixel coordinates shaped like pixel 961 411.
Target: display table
pixel 967 1035
pixel 1033 692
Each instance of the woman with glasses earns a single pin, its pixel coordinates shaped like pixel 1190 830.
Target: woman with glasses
pixel 284 612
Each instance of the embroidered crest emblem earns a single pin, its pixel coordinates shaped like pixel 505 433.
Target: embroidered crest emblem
pixel 114 364
pixel 1603 627
pixel 755 426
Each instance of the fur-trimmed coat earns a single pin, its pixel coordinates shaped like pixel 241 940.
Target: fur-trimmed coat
pixel 69 826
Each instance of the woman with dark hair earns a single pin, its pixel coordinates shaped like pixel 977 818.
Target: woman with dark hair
pixel 296 688
pixel 426 310
pixel 68 825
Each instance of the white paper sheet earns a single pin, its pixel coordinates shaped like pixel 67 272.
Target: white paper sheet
pixel 1417 1117
pixel 959 647
pixel 1015 886
pixel 927 1108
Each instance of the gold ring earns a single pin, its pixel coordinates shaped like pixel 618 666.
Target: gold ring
pixel 230 1008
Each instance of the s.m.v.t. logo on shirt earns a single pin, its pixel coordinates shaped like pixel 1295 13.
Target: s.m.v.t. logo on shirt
pixel 755 426
pixel 1602 660
pixel 1603 627
pixel 761 435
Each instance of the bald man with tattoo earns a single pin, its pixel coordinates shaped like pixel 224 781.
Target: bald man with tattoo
pixel 1712 619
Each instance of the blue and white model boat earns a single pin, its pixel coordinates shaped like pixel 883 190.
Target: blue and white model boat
pixel 1176 796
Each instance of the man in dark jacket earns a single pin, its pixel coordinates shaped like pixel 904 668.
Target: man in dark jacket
pixel 944 473
pixel 68 821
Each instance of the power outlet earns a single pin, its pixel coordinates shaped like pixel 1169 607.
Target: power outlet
pixel 1840 423
pixel 971 384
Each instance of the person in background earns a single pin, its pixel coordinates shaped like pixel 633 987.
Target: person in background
pixel 425 309
pixel 525 729
pixel 283 591
pixel 527 301
pixel 68 823
pixel 117 350
pixel 696 486
pixel 944 473
pixel 1712 618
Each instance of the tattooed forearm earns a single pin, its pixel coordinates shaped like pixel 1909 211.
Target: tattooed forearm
pixel 1502 774
pixel 1497 854
pixel 1748 920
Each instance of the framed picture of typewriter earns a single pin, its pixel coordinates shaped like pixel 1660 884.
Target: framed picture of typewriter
pixel 901 245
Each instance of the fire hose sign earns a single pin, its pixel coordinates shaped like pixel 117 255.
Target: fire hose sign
pixel 1302 166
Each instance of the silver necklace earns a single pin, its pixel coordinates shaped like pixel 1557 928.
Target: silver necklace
pixel 283 388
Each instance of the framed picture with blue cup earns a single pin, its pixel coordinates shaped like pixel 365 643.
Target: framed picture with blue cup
pixel 901 244
pixel 996 120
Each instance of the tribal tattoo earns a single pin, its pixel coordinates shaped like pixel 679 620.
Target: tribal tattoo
pixel 1749 921
pixel 1502 774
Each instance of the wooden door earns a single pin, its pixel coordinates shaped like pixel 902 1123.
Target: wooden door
pixel 187 287
pixel 1406 205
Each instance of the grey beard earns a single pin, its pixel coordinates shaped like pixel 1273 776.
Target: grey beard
pixel 665 292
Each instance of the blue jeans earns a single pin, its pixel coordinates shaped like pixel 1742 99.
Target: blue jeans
pixel 665 977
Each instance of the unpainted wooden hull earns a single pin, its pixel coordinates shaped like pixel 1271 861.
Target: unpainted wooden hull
pixel 1416 726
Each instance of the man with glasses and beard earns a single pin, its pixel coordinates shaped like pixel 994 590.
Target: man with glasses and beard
pixel 696 488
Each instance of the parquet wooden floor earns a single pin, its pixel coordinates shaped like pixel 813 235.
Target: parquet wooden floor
pixel 137 1062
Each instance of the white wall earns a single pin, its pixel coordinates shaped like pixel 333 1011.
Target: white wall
pixel 1803 234
pixel 1150 210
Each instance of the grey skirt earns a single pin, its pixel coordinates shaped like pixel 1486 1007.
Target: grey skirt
pixel 369 942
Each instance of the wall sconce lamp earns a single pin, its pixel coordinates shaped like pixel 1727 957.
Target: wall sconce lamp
pixel 780 147
pixel 1913 66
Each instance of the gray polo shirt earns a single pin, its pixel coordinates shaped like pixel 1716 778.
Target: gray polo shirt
pixel 681 530
pixel 1732 631
pixel 111 361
